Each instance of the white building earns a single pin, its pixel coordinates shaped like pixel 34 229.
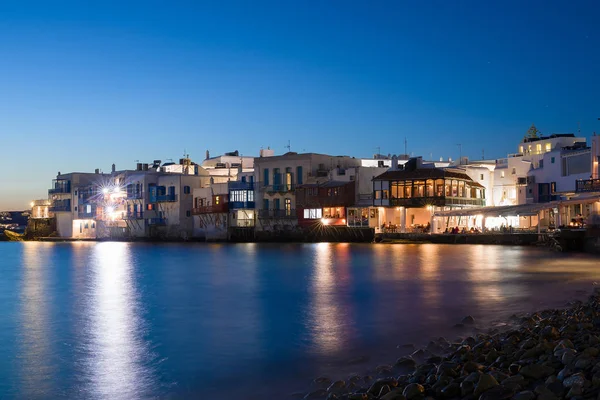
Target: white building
pixel 146 202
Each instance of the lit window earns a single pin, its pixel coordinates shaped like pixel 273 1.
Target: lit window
pixel 501 174
pixel 538 148
pixel 548 147
pixel 520 149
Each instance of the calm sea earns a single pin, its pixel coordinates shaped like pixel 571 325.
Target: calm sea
pixel 248 321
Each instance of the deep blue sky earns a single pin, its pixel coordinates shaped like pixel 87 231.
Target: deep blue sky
pixel 84 84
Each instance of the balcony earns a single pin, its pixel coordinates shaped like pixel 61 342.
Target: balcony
pixel 241 185
pixel 279 188
pixel 215 208
pixel 60 208
pixel 166 198
pixel 436 201
pixel 60 189
pixel 587 185
pixel 133 215
pixel 60 186
pixel 280 214
pixel 135 195
pixel 157 221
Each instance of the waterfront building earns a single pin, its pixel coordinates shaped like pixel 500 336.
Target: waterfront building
pixel 277 178
pixel 210 211
pixel 407 197
pixel 40 209
pixel 227 167
pixel 511 173
pixel 150 201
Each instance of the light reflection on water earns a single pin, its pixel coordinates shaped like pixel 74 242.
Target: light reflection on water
pixel 123 320
pixel 116 363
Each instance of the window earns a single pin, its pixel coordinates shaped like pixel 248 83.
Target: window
pixel 514 171
pixel 75 208
pixel 481 177
pixel 188 213
pixel 186 190
pixel 384 194
pixel 501 174
pixel 552 160
pixel 150 207
pixel 88 209
pixel 541 164
pixel 538 148
pixel 548 147
pixel 265 204
pixel 266 176
pixel 313 213
pixel 378 195
pixel 76 193
pixel 276 204
pixel 520 149
pixel 93 225
pixel 288 207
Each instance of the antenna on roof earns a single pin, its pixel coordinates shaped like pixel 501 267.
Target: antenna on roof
pixel 405 144
pixel 289 146
pixel 483 154
pixel 578 127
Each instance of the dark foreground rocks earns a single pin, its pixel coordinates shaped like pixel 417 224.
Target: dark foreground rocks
pixel 549 355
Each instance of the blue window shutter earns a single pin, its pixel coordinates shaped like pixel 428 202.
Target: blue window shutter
pixel 299 175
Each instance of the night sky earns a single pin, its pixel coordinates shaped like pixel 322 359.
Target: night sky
pixel 85 84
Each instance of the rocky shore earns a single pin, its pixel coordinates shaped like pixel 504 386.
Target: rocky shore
pixel 547 355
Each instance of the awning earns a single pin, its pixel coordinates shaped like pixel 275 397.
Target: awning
pixel 521 209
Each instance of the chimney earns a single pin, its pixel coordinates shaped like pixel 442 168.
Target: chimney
pixel 394 163
pixel 207 154
pixel 96 171
pixel 114 168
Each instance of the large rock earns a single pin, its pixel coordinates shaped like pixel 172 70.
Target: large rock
pixel 536 371
pixel 497 393
pixel 527 395
pixel 486 382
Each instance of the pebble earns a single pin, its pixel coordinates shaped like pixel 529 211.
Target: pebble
pixel 553 354
pixel 413 390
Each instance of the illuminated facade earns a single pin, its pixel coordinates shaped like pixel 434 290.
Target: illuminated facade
pixel 408 197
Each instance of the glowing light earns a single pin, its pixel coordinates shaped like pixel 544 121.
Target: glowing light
pixel 343 221
pixel 110 210
pixel 116 189
pixel 105 190
pixel 324 221
pixel 31 204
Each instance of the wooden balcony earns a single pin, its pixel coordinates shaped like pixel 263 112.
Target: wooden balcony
pixel 215 208
pixel 436 201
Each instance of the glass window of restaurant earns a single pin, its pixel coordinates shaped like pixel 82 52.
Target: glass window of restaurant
pixel 448 188
pixel 429 188
pixel 419 189
pixel 439 187
pixel 333 212
pixel 461 189
pixel 454 188
pixel 394 190
pixel 408 189
pixel 401 190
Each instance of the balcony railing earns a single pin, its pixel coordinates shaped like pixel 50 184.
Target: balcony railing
pixel 215 208
pixel 60 189
pixel 282 214
pixel 241 185
pixel 135 195
pixel 281 188
pixel 436 201
pixel 133 215
pixel 157 221
pixel 587 185
pixel 60 207
pixel 166 198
